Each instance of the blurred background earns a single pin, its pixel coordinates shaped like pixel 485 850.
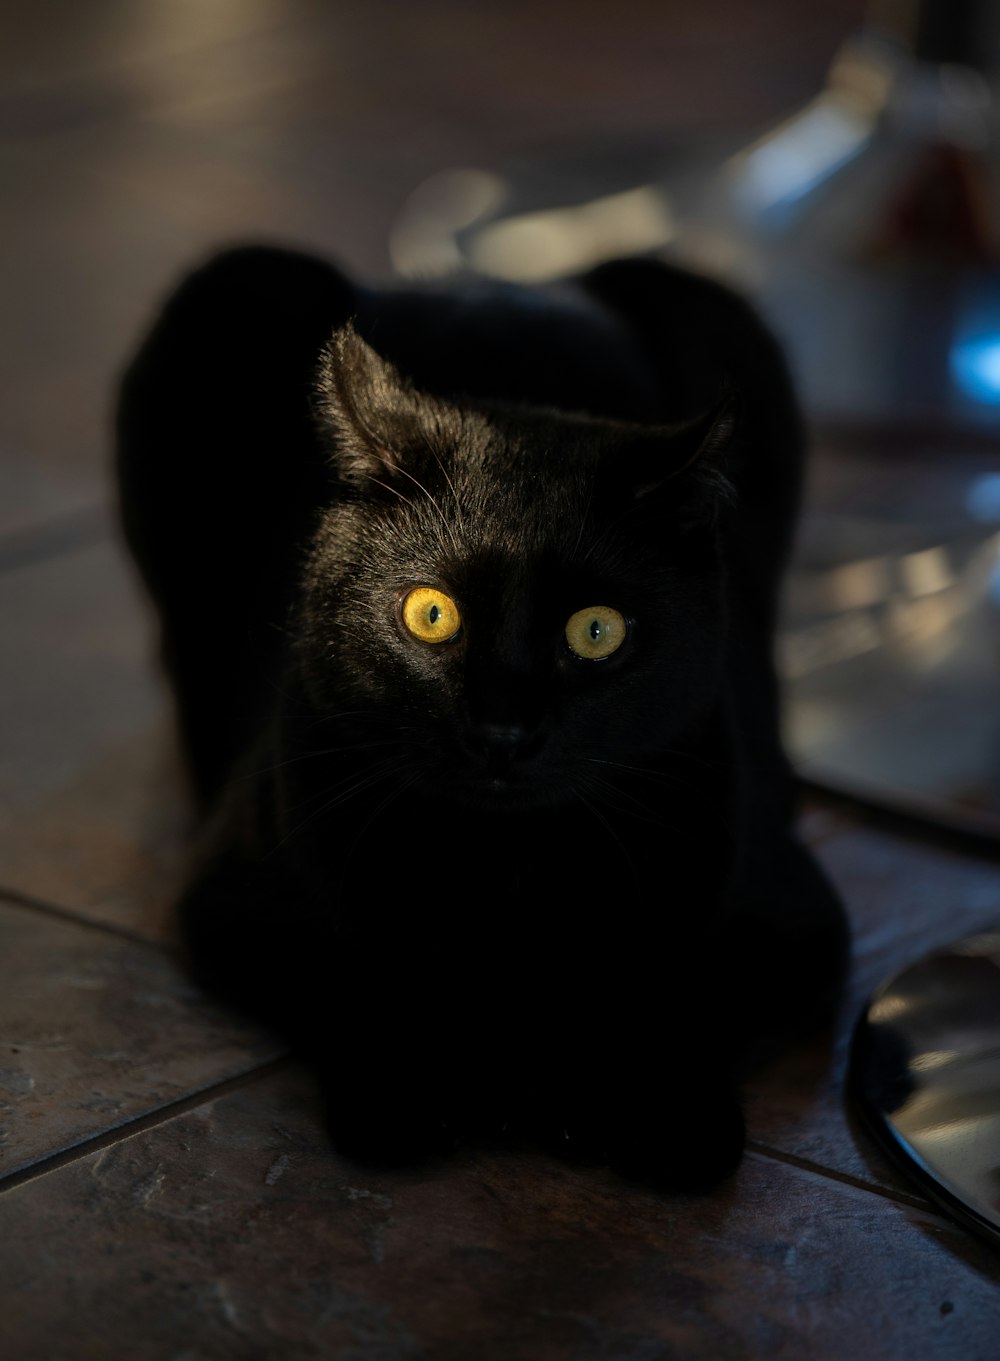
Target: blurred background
pixel 835 160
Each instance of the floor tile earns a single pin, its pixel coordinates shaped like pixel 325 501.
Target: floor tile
pixel 92 812
pixel 233 1231
pixel 111 844
pixel 76 670
pixel 904 898
pixel 87 259
pixel 96 1030
pixel 40 503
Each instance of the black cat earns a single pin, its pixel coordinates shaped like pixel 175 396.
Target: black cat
pixel 467 595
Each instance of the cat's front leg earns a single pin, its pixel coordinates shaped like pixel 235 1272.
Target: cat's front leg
pixel 409 1069
pixel 645 1080
pixel 371 1019
pixel 663 1124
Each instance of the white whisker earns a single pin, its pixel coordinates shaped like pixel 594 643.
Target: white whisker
pixel 607 826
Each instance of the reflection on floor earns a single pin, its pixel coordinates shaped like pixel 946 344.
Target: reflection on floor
pixel 891 646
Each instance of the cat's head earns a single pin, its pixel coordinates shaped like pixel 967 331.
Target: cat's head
pixel 500 600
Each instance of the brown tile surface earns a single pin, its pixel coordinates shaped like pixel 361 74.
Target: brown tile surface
pixel 232 1231
pixel 904 898
pixel 74 670
pixel 92 808
pixel 89 808
pixel 38 501
pixel 96 1030
pixel 84 293
pixel 110 844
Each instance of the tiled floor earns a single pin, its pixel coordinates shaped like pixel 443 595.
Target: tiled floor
pixel 167 1189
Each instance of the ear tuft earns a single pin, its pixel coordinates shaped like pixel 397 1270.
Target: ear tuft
pixel 364 404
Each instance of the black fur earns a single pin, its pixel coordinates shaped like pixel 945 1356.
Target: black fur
pixel 485 884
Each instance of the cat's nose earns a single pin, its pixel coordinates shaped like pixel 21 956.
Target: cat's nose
pixel 501 737
pixel 504 742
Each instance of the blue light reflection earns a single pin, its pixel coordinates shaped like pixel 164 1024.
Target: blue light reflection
pixel 975 367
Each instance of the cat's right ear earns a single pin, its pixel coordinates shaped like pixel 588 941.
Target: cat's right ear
pixel 366 408
pixel 681 468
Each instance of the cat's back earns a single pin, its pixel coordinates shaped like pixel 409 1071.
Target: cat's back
pixel 556 348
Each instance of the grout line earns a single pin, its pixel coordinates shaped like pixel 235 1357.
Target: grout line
pixel 54 1162
pixel 15 898
pixel 914 1202
pixel 162 1115
pixel 68 533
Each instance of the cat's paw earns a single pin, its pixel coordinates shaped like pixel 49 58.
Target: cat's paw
pixel 389 1134
pixel 673 1155
pixel 671 1148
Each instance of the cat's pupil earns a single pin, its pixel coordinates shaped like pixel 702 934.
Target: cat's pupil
pixel 434 614
pixel 595 630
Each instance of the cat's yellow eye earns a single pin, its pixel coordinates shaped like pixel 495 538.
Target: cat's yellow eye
pixel 430 615
pixel 596 632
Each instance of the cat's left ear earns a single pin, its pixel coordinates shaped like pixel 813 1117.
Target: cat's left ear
pixel 685 464
pixel 366 405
